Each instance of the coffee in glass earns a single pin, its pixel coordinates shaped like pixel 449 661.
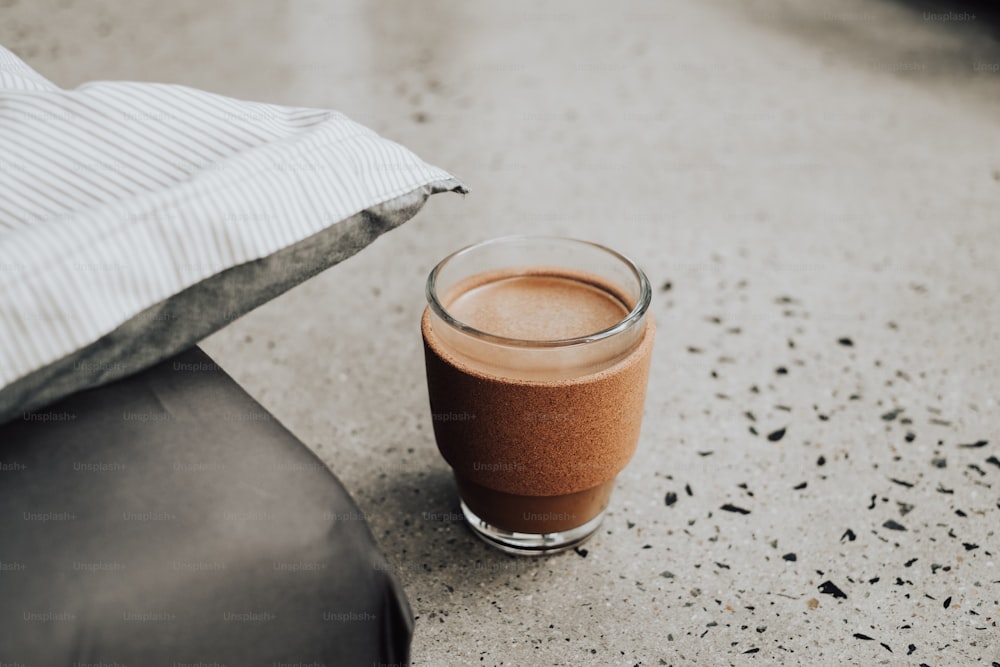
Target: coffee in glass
pixel 537 352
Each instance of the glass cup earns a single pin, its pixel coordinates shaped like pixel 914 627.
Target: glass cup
pixel 537 352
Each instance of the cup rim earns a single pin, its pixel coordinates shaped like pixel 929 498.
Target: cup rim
pixel 634 316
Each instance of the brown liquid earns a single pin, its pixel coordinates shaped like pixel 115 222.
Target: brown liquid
pixel 535 455
pixel 537 307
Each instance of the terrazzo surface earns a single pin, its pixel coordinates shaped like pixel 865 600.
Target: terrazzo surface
pixel 814 194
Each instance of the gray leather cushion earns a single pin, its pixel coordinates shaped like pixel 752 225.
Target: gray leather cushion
pixel 168 519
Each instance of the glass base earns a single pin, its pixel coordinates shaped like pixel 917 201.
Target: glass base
pixel 530 544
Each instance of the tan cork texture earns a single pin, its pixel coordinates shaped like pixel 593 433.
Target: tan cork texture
pixel 532 437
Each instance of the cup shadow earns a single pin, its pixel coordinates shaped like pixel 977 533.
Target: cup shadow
pixel 416 518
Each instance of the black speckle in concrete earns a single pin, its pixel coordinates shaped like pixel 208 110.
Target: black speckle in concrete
pixel 910 649
pixel 687 490
pixel 830 588
pixel 667 286
pixel 846 342
pixel 858 635
pixel 885 646
pixel 947 602
pixel 893 525
pixel 582 553
pixel 775 436
pixel 969 546
pixel 901 482
pixel 728 507
pixel 667 574
pixel 891 415
pixel 939 463
pixel 790 557
pixel 976 444
pixel 781 370
pixel 942 489
pixel 821 461
pixel 910 562
pixel 752 650
pixel 800 486
pixel 670 498
pixel 849 535
pixel 910 436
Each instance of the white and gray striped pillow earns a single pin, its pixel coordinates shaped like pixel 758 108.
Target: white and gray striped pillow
pixel 137 218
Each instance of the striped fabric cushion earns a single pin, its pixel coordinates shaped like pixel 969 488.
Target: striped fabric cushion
pixel 137 218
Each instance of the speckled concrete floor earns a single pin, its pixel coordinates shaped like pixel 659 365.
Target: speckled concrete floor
pixel 814 193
